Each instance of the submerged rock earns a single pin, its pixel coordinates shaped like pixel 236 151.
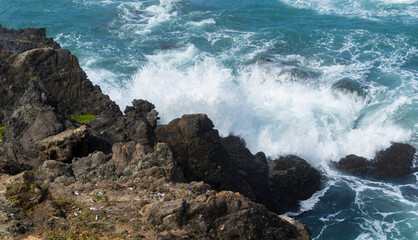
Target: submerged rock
pixel 393 162
pixel 347 85
pixel 288 71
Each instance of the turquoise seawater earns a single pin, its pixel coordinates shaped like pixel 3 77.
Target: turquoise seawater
pixel 266 70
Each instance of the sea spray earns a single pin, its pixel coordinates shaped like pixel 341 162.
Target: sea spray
pixel 266 71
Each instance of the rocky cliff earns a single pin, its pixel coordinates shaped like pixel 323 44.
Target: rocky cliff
pixel 122 175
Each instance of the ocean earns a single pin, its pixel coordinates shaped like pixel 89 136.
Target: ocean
pixel 320 79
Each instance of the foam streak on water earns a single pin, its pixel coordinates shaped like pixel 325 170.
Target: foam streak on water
pixel 267 71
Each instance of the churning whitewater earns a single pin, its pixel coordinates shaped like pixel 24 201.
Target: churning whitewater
pixel 318 79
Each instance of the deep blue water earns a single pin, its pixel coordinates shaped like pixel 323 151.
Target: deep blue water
pixel 265 70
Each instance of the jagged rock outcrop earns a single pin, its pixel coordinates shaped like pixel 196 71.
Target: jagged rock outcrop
pixel 136 125
pixel 195 146
pixel 31 120
pixel 224 215
pixel 41 85
pixel 27 54
pixel 25 39
pixel 226 164
pixel 393 162
pixel 253 169
pixel 117 176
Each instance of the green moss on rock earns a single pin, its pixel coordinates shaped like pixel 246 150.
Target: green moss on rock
pixel 1 131
pixel 83 118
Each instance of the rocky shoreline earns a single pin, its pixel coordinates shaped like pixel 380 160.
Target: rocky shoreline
pixel 125 176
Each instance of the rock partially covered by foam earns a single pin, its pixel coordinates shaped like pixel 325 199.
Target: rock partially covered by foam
pixel 346 85
pixel 393 162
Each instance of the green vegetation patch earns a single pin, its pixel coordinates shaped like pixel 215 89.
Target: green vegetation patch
pixel 1 131
pixel 83 118
pixel 23 195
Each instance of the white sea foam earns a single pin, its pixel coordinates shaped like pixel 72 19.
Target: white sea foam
pixel 141 17
pixel 203 22
pixel 273 109
pixel 274 115
pixel 310 203
pixel 95 2
pixel 400 1
pixel 375 10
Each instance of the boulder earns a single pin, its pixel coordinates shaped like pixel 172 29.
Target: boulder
pixel 192 125
pixel 86 165
pixel 291 179
pixel 396 161
pixel 224 215
pixel 250 170
pixel 196 147
pixel 122 155
pixel 130 158
pixel 354 164
pixel 52 169
pixel 393 162
pixel 63 146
